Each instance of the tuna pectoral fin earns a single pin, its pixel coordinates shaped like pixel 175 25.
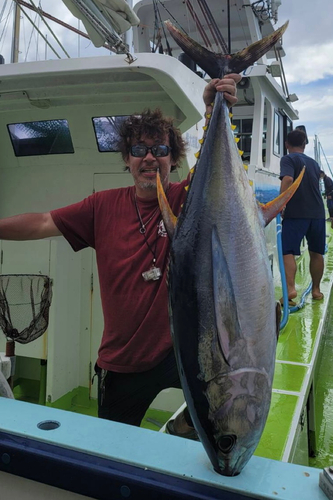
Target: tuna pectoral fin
pixel 170 220
pixel 227 323
pixel 272 208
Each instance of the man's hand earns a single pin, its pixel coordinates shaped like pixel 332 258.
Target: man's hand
pixel 227 85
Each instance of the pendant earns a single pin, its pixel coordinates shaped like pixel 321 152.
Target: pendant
pixel 153 274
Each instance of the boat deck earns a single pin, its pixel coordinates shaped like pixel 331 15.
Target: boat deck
pixel 298 402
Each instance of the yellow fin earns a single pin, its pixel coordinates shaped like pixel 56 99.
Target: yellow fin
pixel 233 127
pixel 197 154
pixel 169 218
pixel 272 208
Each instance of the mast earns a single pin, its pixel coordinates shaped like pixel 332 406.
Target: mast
pixel 16 35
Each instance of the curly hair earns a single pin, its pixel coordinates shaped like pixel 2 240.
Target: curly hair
pixel 154 125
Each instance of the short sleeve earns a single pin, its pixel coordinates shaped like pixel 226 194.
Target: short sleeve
pixel 76 223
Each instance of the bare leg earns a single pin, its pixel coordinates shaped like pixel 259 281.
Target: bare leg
pixel 316 271
pixel 290 269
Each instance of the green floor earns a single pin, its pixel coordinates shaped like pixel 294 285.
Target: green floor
pixel 153 419
pixel 294 359
pixel 28 390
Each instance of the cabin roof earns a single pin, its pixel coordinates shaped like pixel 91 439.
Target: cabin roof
pixel 79 89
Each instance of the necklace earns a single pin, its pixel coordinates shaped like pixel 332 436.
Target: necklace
pixel 143 225
pixel 154 273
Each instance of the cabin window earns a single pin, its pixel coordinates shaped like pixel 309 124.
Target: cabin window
pixel 243 131
pixel 47 137
pixel 288 127
pixel 277 134
pixel 107 132
pixel 264 140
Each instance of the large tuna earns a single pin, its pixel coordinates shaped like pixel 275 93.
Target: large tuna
pixel 222 307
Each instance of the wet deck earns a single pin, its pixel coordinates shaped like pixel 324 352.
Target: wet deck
pixel 300 346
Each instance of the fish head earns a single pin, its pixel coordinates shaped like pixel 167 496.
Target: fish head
pixel 238 416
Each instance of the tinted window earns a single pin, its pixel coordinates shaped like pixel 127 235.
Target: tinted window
pixel 107 132
pixel 47 137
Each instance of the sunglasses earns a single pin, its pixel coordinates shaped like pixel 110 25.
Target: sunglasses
pixel 140 151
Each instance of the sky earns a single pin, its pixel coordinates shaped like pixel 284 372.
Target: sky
pixel 308 43
pixel 308 65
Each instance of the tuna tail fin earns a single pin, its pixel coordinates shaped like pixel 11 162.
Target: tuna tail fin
pixel 246 57
pixel 169 218
pixel 272 208
pixel 216 65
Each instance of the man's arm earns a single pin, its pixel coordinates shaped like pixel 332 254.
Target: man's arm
pixel 286 182
pixel 28 227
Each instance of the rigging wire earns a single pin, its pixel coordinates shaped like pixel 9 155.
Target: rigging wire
pixel 39 10
pixel 329 167
pixel 198 24
pixel 214 29
pixel 156 29
pixel 38 30
pixel 6 26
pixel 3 10
pixel 32 33
pixel 159 20
pixel 242 26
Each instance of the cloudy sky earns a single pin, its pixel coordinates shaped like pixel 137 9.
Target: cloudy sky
pixel 308 64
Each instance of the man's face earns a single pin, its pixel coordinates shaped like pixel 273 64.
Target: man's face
pixel 143 169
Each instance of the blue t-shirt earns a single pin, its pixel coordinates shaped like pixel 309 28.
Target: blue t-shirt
pixel 328 185
pixel 307 202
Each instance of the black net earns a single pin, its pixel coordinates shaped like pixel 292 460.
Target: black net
pixel 25 301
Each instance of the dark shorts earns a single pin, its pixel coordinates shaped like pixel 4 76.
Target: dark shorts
pixel 125 397
pixel 294 230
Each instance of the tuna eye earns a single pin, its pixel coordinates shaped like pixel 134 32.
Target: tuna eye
pixel 226 443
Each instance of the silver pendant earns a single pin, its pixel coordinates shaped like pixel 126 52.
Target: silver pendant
pixel 153 274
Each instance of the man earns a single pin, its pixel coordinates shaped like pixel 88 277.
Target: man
pixel 328 183
pixel 136 359
pixel 304 215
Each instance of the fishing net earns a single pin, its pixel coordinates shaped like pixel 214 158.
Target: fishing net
pixel 5 390
pixel 25 301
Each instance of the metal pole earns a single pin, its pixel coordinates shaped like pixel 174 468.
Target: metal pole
pixel 229 31
pixel 16 35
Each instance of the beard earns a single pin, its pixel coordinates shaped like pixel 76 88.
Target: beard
pixel 148 184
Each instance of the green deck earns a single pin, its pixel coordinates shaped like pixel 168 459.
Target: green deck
pixel 304 354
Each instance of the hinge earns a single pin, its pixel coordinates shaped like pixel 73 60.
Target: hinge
pixel 1 257
pixel 92 282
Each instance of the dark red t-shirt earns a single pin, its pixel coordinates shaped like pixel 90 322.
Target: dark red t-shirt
pixel 136 334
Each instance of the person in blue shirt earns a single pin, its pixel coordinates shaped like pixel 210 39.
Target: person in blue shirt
pixel 304 215
pixel 328 183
